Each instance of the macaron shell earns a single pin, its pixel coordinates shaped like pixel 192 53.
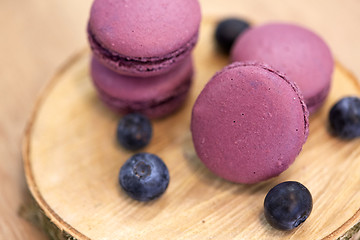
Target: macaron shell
pixel 144 28
pixel 299 53
pixel 140 89
pixel 249 123
pixel 151 110
pixel 153 96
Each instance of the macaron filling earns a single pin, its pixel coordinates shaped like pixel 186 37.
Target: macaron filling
pixel 136 65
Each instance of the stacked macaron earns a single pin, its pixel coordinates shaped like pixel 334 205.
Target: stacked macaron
pixel 142 53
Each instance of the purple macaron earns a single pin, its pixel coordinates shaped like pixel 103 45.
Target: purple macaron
pixel 249 123
pixel 143 37
pixel 297 52
pixel 155 96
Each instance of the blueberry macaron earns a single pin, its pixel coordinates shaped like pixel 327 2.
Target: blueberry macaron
pixel 296 51
pixel 155 96
pixel 249 123
pixel 144 37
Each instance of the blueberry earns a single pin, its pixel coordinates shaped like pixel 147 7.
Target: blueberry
pixel 227 31
pixel 287 205
pixel 344 117
pixel 144 177
pixel 134 131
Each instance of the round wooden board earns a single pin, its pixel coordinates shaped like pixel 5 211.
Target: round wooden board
pixel 72 162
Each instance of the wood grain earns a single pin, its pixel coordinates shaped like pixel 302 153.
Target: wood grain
pixel 72 162
pixel 37 36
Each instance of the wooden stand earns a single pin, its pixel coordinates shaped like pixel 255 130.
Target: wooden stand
pixel 72 162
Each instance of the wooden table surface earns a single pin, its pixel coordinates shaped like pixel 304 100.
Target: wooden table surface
pixel 38 36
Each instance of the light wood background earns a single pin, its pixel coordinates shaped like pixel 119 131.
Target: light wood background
pixel 37 36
